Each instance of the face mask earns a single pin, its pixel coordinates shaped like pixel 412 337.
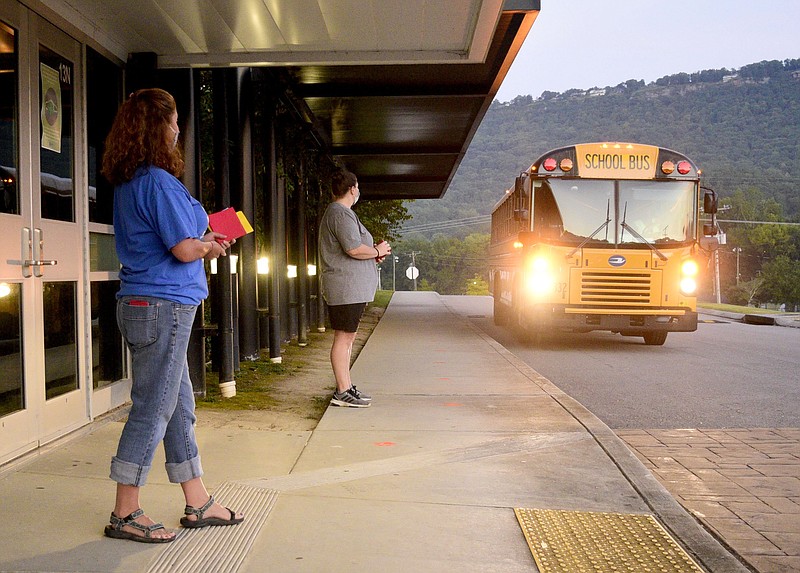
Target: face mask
pixel 174 139
pixel 357 198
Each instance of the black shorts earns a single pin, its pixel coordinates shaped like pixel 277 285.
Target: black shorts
pixel 346 316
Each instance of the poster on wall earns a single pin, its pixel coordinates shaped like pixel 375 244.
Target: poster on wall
pixel 51 109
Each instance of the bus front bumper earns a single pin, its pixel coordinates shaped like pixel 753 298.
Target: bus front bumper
pixel 626 321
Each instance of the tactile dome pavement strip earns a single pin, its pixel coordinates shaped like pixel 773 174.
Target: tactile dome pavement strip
pixel 219 549
pixel 580 541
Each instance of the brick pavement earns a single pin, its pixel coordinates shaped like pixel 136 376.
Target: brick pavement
pixel 743 484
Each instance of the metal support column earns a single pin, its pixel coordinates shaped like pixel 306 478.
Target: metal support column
pixel 248 304
pixel 196 354
pixel 222 165
pixel 324 197
pixel 302 257
pixel 276 242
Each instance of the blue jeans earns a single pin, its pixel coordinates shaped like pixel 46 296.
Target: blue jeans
pixel 157 334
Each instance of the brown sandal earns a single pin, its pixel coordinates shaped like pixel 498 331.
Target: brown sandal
pixel 114 529
pixel 207 521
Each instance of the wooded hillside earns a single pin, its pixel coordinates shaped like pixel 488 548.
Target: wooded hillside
pixel 742 127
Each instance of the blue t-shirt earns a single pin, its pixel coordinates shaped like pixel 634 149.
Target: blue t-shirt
pixel 153 212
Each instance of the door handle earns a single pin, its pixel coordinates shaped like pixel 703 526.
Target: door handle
pixel 26 260
pixel 37 264
pixel 32 266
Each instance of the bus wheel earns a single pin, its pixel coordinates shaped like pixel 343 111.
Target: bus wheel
pixel 655 338
pixel 526 334
pixel 533 337
pixel 500 312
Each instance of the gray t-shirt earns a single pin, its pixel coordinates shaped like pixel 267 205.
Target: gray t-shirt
pixel 345 280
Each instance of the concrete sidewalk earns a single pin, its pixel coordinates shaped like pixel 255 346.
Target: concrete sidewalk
pixel 426 480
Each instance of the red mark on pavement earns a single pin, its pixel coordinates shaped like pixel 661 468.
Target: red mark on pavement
pixel 385 444
pixel 452 404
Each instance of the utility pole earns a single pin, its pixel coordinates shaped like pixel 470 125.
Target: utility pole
pixel 394 274
pixel 414 266
pixel 737 250
pixel 721 241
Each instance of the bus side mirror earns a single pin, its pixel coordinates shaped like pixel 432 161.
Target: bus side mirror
pixel 526 238
pixel 518 185
pixel 709 230
pixel 709 203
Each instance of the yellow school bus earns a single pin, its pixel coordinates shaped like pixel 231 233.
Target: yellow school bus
pixel 601 236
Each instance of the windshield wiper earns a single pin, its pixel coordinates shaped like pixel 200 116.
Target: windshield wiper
pixel 597 230
pixel 636 234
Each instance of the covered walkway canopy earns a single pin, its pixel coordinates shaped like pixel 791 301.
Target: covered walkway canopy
pixel 394 89
pixel 273 97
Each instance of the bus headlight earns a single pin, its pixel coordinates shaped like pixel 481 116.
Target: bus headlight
pixel 688 286
pixel 539 279
pixel 689 268
pixel 689 271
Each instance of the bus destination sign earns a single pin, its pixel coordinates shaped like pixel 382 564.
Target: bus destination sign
pixel 616 161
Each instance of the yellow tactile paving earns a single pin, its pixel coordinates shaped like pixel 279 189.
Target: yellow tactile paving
pixel 582 541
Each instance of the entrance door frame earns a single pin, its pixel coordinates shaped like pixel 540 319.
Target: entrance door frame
pixel 42 420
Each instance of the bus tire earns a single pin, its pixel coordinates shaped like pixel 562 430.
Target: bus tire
pixel 500 313
pixel 527 334
pixel 529 337
pixel 655 338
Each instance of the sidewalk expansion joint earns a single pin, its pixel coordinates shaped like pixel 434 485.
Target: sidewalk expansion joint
pixel 364 470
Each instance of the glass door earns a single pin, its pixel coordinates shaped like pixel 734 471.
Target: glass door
pixel 43 392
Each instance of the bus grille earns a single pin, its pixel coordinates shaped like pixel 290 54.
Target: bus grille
pixel 615 288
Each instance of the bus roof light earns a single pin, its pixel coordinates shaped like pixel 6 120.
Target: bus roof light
pixel 565 164
pixel 549 164
pixel 684 167
pixel 667 167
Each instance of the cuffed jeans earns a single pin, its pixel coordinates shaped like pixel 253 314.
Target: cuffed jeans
pixel 157 334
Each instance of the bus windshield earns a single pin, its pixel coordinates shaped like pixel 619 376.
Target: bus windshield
pixel 614 212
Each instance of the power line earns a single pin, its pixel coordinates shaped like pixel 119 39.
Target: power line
pixel 757 222
pixel 466 220
pixel 451 224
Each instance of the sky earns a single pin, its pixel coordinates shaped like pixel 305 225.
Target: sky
pixel 597 43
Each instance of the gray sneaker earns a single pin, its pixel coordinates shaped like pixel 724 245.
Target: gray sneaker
pixel 349 399
pixel 359 394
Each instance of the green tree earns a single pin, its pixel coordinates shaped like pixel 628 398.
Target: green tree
pixel 746 293
pixel 446 264
pixel 477 285
pixel 782 281
pixel 383 218
pixel 759 242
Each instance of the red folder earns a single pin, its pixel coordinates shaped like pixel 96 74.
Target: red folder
pixel 230 223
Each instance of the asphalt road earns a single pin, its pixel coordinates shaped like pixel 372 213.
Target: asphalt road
pixel 727 374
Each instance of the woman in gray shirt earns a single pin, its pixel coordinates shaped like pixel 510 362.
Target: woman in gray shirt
pixel 349 279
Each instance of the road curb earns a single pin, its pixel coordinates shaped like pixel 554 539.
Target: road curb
pixel 707 549
pixel 790 320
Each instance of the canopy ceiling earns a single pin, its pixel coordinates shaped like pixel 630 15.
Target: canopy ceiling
pixel 396 87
